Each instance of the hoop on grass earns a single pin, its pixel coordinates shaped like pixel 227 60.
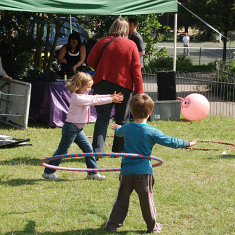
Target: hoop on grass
pixel 203 141
pixel 216 142
pixel 90 136
pixel 43 161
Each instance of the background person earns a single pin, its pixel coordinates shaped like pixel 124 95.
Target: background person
pixel 135 36
pixel 137 174
pixel 186 41
pixel 217 39
pixel 4 59
pixel 72 55
pixel 77 117
pixel 118 69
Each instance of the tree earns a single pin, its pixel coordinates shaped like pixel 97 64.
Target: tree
pixel 220 14
pixel 16 31
pixel 147 25
pixel 24 31
pixel 47 63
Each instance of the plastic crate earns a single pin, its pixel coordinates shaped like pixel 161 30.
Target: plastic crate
pixel 166 110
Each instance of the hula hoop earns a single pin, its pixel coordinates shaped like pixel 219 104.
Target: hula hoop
pixel 216 142
pixel 106 136
pixel 43 161
pixel 203 141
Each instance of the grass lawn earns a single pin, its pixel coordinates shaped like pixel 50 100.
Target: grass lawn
pixel 193 191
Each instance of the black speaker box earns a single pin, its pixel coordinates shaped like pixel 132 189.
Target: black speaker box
pixel 166 82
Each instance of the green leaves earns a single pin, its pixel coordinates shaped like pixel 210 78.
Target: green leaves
pixel 147 28
pixel 218 13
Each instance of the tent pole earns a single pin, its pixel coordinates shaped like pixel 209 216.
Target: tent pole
pixel 175 41
pixel 70 24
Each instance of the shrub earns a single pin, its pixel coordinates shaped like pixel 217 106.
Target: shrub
pixel 232 66
pixel 161 62
pixel 183 64
pixel 184 60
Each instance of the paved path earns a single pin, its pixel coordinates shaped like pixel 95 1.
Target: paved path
pixel 200 52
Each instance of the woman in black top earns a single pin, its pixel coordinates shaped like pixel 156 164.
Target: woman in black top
pixel 72 55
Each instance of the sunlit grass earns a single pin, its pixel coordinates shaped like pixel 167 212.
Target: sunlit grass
pixel 193 191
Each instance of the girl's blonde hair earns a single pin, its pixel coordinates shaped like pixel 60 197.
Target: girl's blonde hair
pixel 119 28
pixel 78 81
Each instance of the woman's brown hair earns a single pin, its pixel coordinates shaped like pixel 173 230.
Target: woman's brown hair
pixel 119 28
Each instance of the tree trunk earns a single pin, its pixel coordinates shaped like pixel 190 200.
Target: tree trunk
pixel 40 32
pixel 224 48
pixel 46 50
pixel 57 35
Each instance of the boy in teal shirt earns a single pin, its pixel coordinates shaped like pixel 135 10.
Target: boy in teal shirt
pixel 137 174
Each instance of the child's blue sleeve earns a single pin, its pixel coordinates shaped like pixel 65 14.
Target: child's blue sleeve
pixel 163 139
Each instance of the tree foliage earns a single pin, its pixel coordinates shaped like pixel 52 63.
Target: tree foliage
pixel 24 32
pixel 16 31
pixel 220 14
pixel 148 27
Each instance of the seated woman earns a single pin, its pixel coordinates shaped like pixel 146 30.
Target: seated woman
pixel 72 55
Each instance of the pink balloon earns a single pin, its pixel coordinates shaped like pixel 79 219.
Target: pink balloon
pixel 195 107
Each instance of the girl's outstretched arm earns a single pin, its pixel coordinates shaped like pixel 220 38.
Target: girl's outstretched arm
pixel 114 126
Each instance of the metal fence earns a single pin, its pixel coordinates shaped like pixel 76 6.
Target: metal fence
pixel 200 55
pixel 220 93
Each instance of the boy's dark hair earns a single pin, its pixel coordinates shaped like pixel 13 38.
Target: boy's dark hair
pixel 133 20
pixel 141 106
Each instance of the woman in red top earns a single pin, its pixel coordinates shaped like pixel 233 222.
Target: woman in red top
pixel 118 69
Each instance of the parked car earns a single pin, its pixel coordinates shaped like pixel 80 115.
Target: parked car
pixel 65 32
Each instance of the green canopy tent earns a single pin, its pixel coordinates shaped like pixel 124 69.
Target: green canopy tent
pixel 95 7
pixel 91 7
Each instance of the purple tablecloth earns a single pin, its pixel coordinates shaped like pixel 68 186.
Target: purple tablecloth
pixel 50 103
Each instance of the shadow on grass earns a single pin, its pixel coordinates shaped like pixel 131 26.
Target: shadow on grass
pixel 30 229
pixel 21 161
pixel 32 124
pixel 225 156
pixel 184 120
pixel 19 182
pixel 35 161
